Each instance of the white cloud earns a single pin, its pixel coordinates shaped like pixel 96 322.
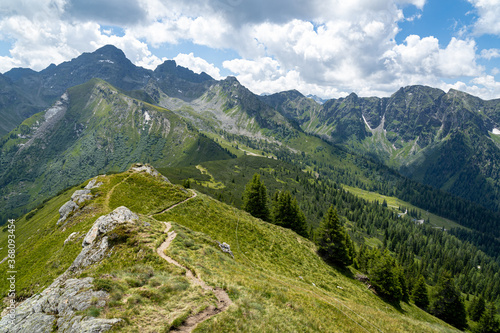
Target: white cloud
pixel 197 65
pixel 490 53
pixel 423 56
pixel 489 13
pixel 327 48
pixel 484 86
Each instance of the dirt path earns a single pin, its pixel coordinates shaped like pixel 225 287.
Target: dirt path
pixel 223 300
pixel 110 192
pixel 177 204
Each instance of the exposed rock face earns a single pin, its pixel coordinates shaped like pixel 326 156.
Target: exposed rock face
pixel 57 305
pixel 93 184
pixel 108 222
pixel 66 209
pixel 81 195
pixel 78 197
pixel 138 167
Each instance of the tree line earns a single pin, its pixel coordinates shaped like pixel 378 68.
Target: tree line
pixel 410 257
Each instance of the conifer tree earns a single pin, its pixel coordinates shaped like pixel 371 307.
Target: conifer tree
pixel 420 294
pixel 255 198
pixel 447 303
pixel 404 285
pixel 476 308
pixel 287 213
pixel 334 244
pixel 488 323
pixel 384 276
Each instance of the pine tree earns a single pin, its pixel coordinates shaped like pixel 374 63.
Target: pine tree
pixel 286 213
pixel 334 244
pixel 255 198
pixel 476 308
pixel 420 294
pixel 384 276
pixel 447 303
pixel 488 323
pixel 404 285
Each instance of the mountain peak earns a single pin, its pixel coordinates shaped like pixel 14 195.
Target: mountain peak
pixel 170 67
pixel 110 51
pixel 458 93
pixel 231 79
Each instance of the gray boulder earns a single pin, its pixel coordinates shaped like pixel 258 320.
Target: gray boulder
pixel 66 209
pixel 81 195
pixel 138 167
pixel 93 183
pixel 58 304
pixel 78 197
pixel 108 222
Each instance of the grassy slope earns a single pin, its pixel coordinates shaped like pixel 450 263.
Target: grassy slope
pixel 276 280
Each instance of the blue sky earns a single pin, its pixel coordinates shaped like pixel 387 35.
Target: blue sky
pixel 327 48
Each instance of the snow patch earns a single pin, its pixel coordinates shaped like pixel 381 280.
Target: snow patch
pixel 146 116
pixel 108 61
pixel 496 131
pixel 366 123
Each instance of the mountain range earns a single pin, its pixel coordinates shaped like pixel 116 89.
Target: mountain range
pixel 450 141
pixel 432 157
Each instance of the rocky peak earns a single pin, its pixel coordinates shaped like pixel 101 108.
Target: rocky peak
pixel 111 51
pixel 170 68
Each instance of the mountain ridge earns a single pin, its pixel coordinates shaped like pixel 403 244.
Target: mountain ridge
pixel 93 129
pixel 416 131
pixel 108 63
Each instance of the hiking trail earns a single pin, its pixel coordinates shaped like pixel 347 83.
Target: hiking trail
pixel 222 297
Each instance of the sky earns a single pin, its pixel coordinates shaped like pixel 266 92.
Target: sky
pixel 327 48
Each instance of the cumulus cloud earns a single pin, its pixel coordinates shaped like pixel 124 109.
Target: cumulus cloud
pixel 197 65
pixel 424 56
pixel 490 53
pixel 489 12
pixel 119 12
pixel 327 48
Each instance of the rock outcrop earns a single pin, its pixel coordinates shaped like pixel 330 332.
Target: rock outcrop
pixel 59 306
pixel 138 167
pixel 81 195
pixel 56 307
pixel 78 197
pixel 67 209
pixel 108 222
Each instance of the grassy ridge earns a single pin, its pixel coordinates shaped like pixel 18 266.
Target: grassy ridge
pixel 102 130
pixel 276 280
pixel 276 274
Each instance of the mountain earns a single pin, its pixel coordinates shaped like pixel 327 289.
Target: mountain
pixel 229 106
pixel 92 129
pixel 42 89
pixel 294 106
pixel 317 99
pixel 112 265
pixel 446 140
pixel 133 250
pixel 107 63
pixel 15 106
